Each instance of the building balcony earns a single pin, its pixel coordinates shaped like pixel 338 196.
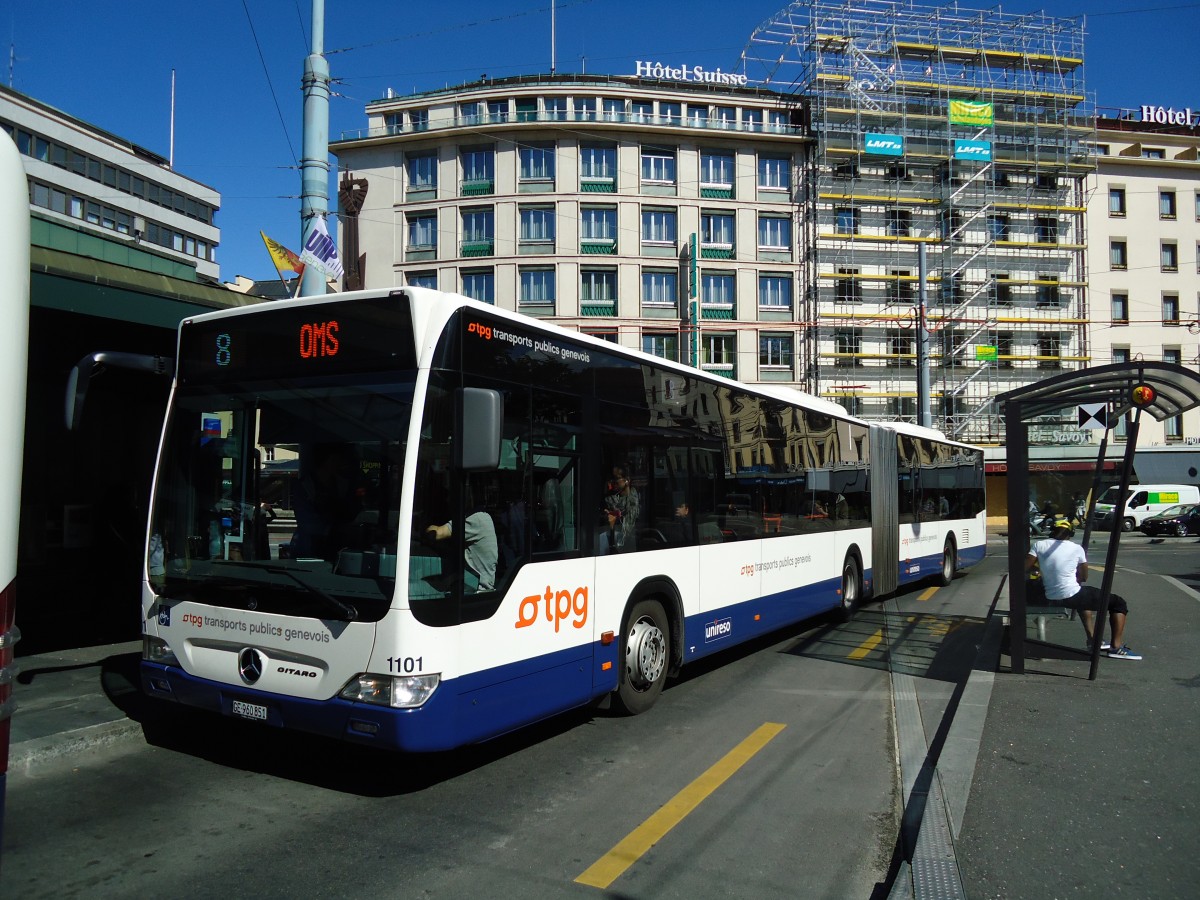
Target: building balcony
pixel 479 248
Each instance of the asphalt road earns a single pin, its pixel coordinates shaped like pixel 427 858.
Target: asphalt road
pixel 777 763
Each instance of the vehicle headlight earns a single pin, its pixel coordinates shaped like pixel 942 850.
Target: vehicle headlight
pixel 397 691
pixel 156 650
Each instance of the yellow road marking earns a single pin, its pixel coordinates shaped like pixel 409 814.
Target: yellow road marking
pixel 867 646
pixel 611 865
pixel 927 594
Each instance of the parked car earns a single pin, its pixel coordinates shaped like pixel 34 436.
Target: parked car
pixel 1180 521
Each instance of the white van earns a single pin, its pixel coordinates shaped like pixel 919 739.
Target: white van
pixel 1142 500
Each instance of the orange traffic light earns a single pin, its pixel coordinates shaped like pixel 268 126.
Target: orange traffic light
pixel 1143 395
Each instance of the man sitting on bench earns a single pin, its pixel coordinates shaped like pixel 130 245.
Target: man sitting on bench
pixel 1064 576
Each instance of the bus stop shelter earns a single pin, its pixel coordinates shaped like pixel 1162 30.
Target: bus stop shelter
pixel 1163 390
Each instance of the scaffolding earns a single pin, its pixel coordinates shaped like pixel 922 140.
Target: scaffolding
pixel 963 130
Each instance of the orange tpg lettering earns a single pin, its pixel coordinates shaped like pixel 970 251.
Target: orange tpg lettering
pixel 559 605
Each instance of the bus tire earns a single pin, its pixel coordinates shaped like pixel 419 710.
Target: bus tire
pixel 646 652
pixel 851 593
pixel 949 562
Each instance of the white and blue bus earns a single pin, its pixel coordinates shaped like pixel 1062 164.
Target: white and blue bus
pixel 492 520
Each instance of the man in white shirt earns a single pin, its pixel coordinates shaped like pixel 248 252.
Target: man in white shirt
pixel 1064 568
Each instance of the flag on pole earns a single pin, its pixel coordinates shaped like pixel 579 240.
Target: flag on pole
pixel 320 252
pixel 283 258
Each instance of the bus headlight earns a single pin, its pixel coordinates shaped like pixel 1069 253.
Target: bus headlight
pixel 397 691
pixel 157 650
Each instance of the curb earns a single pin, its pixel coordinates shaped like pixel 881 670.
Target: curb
pixel 56 746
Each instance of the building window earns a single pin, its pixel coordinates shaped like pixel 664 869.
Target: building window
pixel 774 233
pixel 1153 153
pixel 777 121
pixel 670 113
pixel 537 224
pixel 598 163
pixel 1004 349
pixel 658 165
pixel 1169 256
pixel 725 117
pixel 1116 201
pixel 555 108
pixel 719 350
pixel 598 285
pixel 422 172
pixel 497 110
pixel 900 347
pixel 845 221
pixel 1048 291
pixel 847 345
pixel 1047 230
pixel 537 163
pixel 716 171
pixel 752 120
pixel 1173 355
pixel 1170 309
pixel 697 116
pixel 418 119
pixel 478 232
pixel 1173 428
pixel 660 287
pixel 537 286
pixel 717 289
pixel 848 288
pixel 598 225
pixel 614 109
pixel 1120 309
pixel 1166 204
pixel 998 227
pixel 422 231
pixel 478 171
pixel 775 351
pixel 479 284
pixel 1049 350
pixel 775 291
pixel 899 222
pixel 1198 206
pixel 1001 289
pixel 421 280
pixel 601 334
pixel 527 109
pixel 900 286
pixel 662 345
pixel 774 173
pixel 1118 255
pixel 658 226
pixel 716 230
pixel 585 109
pixel 641 111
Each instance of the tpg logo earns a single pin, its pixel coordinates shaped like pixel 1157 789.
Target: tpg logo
pixel 484 331
pixel 559 605
pixel 715 631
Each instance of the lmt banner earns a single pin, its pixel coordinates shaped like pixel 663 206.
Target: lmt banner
pixel 971 112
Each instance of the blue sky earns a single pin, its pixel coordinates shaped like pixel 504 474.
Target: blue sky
pixel 238 63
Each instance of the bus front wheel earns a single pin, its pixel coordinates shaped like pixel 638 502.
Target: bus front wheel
pixel 646 643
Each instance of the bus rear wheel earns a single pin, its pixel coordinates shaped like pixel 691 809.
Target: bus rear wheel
pixel 646 643
pixel 949 562
pixel 851 588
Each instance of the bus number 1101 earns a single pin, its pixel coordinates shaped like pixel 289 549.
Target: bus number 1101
pixel 405 664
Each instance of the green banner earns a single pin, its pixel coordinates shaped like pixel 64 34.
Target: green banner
pixel 985 352
pixel 971 112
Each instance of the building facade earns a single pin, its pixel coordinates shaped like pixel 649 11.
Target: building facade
pixel 605 203
pixel 96 183
pixel 1144 225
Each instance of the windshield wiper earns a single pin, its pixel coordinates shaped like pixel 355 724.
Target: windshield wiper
pixel 346 609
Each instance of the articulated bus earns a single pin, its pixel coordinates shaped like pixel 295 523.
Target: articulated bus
pixel 492 520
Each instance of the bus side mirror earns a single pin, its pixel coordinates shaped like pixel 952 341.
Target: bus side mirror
pixel 480 417
pixel 81 376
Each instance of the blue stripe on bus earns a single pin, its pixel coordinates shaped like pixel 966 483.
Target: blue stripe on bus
pixel 486 704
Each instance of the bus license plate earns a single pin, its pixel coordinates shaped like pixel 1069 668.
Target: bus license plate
pixel 249 710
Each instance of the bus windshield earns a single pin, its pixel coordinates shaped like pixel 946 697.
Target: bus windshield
pixel 282 499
